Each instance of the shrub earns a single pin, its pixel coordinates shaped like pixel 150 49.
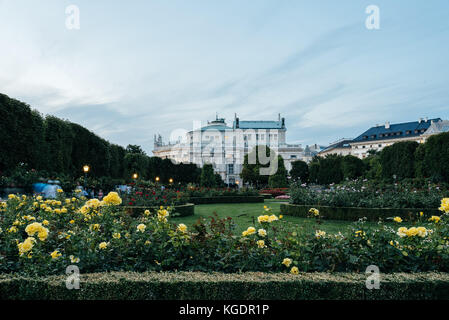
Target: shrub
pixel 365 194
pixel 219 286
pixel 43 237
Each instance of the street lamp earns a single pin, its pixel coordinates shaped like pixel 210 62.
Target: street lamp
pixel 157 179
pixel 170 180
pixel 135 176
pixel 86 169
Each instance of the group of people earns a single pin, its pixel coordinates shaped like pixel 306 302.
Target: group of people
pixel 49 190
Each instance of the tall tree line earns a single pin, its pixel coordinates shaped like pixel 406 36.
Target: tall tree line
pixel 57 146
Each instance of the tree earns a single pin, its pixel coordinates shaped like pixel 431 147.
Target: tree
pixel 207 176
pixel 299 171
pixel 433 158
pixel 352 167
pixel 253 168
pixel 398 160
pixel 326 170
pixel 132 148
pixel 279 178
pixel 219 183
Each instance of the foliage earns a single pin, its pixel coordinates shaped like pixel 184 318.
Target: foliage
pixel 153 197
pixel 43 237
pixel 366 194
pixel 279 178
pixel 433 158
pixel 207 178
pixel 398 160
pixel 260 157
pixel 221 286
pixel 299 171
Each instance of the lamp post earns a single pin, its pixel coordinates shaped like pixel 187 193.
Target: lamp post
pixel 170 180
pixel 86 169
pixel 135 176
pixel 157 179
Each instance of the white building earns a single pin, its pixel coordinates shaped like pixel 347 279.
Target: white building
pixel 225 146
pixel 379 137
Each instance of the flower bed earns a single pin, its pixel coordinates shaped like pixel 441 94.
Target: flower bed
pixel 203 192
pixel 154 197
pixel 275 192
pixel 183 210
pixel 353 214
pixel 220 286
pixel 360 194
pixel 40 237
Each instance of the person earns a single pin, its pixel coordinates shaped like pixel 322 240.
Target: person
pixel 100 194
pixel 50 190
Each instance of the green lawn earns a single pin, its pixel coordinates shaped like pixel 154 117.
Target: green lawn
pixel 245 215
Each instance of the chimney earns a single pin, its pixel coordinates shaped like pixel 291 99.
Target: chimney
pixel 387 125
pixel 420 120
pixel 237 124
pixel 279 117
pixel 283 123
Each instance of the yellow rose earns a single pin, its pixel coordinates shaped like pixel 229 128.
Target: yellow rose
pixel 261 244
pixel 435 219
pixel 287 262
pixel 112 199
pixel 319 234
pixel 294 270
pixel 55 254
pixel 182 227
pixel 262 232
pixel 141 227
pixel 116 235
pixel 102 245
pixel 397 219
pixel 74 259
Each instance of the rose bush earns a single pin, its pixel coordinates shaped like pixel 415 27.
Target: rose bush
pixel 365 194
pixel 40 236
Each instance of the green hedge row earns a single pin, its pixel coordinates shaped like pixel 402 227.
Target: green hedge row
pixel 353 214
pixel 227 199
pixel 219 286
pixel 183 210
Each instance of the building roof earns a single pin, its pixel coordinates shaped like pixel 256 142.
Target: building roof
pixel 395 131
pixel 341 144
pixel 216 127
pixel 438 127
pixel 259 125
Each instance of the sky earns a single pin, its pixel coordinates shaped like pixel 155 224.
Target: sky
pixel 138 68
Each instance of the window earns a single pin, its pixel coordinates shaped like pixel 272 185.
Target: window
pixel 231 168
pixel 262 137
pixel 275 137
pixel 292 156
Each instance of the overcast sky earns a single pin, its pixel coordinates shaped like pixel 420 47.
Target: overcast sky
pixel 137 68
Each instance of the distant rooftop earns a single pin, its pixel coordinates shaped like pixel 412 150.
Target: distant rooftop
pixel 341 144
pixel 259 125
pixel 394 131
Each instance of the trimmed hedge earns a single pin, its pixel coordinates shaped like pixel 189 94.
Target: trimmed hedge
pixel 183 210
pixel 226 199
pixel 352 214
pixel 219 286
